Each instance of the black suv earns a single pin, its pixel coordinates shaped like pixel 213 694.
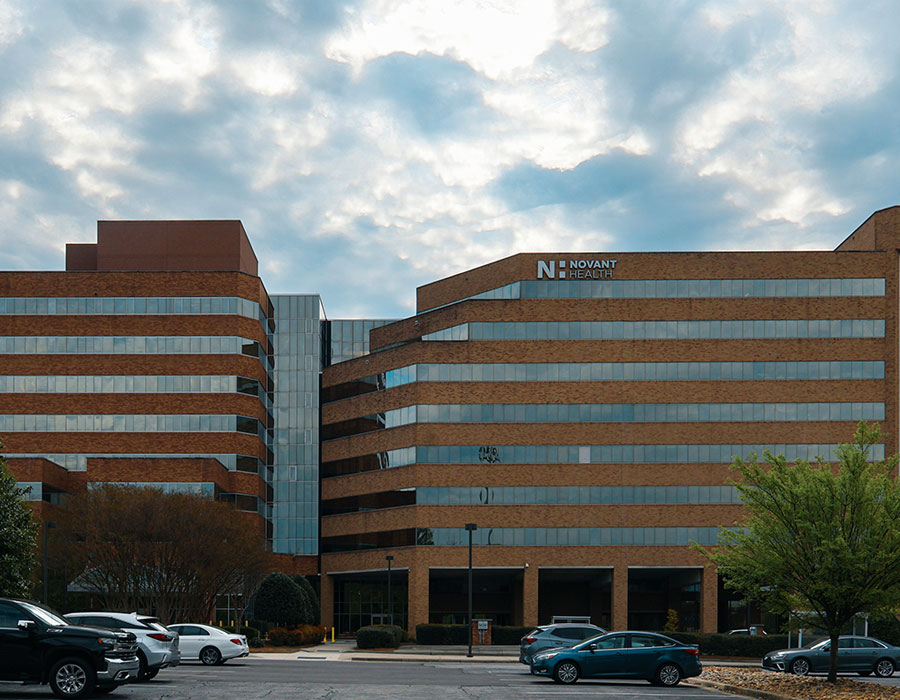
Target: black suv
pixel 38 646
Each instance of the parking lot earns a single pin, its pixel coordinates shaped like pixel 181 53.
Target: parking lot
pixel 319 679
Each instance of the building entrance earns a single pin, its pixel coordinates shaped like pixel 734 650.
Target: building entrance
pixel 576 594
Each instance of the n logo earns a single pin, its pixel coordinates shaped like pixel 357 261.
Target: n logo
pixel 548 269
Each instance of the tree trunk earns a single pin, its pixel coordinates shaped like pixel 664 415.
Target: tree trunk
pixel 832 662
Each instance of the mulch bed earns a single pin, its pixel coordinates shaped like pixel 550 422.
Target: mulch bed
pixel 800 687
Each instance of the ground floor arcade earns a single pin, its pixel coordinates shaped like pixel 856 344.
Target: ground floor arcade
pixel 626 590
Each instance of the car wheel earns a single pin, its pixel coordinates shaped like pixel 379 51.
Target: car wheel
pixel 210 656
pixel 668 675
pixel 800 667
pixel 72 678
pixel 884 668
pixel 143 673
pixel 566 672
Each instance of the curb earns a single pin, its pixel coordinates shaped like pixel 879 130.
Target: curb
pixel 433 658
pixel 738 690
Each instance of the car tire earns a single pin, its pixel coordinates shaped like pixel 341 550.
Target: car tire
pixel 210 656
pixel 668 675
pixel 800 667
pixel 884 668
pixel 72 677
pixel 143 674
pixel 566 672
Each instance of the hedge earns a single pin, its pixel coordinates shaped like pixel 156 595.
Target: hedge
pixel 297 636
pixel 753 646
pixel 508 635
pixel 442 634
pixel 378 637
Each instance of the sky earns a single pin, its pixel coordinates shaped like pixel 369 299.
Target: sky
pixel 373 146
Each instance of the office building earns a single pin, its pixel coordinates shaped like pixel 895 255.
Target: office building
pixel 580 409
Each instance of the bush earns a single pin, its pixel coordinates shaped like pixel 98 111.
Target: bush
pixel 281 601
pixel 507 635
pixel 887 630
pixel 261 625
pixel 303 635
pixel 311 599
pixel 255 642
pixel 442 634
pixel 378 637
pixel 732 644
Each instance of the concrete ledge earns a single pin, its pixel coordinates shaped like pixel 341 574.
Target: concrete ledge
pixel 738 690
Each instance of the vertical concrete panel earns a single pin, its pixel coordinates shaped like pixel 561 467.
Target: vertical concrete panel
pixel 418 596
pixel 620 598
pixel 530 596
pixel 709 600
pixel 326 601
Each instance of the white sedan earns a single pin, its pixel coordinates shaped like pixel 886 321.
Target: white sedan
pixel 211 645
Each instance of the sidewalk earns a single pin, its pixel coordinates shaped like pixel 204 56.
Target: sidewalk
pixel 345 650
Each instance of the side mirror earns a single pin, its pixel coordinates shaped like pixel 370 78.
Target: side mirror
pixel 27 625
pixel 826 649
pixel 592 647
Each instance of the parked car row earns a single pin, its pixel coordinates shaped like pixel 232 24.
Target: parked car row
pixel 84 653
pixel 567 652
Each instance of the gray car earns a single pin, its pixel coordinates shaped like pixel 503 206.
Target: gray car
pixel 862 655
pixel 553 636
pixel 157 646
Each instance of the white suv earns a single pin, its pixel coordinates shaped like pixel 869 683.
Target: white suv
pixel 157 646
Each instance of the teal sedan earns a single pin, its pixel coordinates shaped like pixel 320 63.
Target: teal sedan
pixel 641 655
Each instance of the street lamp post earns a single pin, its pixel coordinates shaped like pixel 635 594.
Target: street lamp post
pixel 390 558
pixel 470 528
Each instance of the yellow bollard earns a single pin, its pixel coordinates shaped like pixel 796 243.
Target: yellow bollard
pixel 332 634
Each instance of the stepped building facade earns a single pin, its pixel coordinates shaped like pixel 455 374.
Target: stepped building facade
pixel 578 411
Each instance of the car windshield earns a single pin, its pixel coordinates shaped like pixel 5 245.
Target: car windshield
pixel 45 615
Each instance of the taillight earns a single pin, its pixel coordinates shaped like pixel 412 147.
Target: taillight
pixel 160 637
pixel 235 641
pixel 692 651
pixel 530 640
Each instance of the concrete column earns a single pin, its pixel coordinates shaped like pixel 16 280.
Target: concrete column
pixel 418 596
pixel 530 597
pixel 620 597
pixel 709 600
pixel 326 601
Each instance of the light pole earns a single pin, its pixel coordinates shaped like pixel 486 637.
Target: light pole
pixel 390 558
pixel 470 528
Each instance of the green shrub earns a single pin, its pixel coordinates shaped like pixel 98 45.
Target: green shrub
pixel 442 634
pixel 255 642
pixel 501 634
pixel 752 646
pixel 311 600
pixel 378 637
pixel 887 630
pixel 281 601
pixel 261 625
pixel 303 635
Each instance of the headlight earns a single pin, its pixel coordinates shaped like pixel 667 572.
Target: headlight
pixel 544 657
pixel 108 641
pixel 779 655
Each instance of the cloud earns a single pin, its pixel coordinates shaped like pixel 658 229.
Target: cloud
pixel 373 146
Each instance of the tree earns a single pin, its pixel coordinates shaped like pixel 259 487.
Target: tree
pixel 18 535
pixel 280 600
pixel 310 600
pixel 173 554
pixel 820 543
